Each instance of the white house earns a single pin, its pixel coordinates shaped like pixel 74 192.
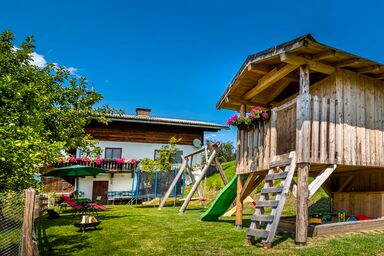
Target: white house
pixel 137 137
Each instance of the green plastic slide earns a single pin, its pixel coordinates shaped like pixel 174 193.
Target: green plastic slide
pixel 222 202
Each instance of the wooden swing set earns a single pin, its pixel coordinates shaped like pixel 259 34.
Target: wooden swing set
pixel 210 153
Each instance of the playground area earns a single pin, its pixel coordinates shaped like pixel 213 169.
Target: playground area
pixel 148 231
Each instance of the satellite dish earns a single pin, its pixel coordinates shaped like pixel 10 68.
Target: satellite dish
pixel 197 143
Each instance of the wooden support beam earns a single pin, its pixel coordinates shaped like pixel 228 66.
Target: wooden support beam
pixel 250 184
pixel 313 65
pixel 282 84
pixel 262 69
pixel 374 68
pixel 270 78
pixel 304 79
pixel 239 100
pixel 302 204
pixel 258 68
pixel 218 166
pixel 324 55
pixel 239 203
pixel 240 181
pixel 320 179
pixel 347 62
pixel 346 183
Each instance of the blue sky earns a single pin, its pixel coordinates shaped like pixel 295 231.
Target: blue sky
pixel 177 57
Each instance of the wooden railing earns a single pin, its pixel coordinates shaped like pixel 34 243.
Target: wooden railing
pixel 109 164
pixel 253 147
pixel 312 136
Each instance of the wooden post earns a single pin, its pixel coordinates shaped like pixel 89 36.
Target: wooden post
pixel 302 151
pixel 302 204
pixel 174 182
pixel 29 205
pixel 218 166
pixel 240 181
pixel 197 183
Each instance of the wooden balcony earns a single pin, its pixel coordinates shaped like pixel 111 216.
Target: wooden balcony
pixel 108 164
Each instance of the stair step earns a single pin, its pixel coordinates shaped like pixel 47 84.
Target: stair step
pixel 257 233
pixel 276 176
pixel 280 163
pixel 263 218
pixel 278 189
pixel 267 203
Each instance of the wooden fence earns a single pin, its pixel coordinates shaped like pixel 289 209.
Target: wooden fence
pixel 34 206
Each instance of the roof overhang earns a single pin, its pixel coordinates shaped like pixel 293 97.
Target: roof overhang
pixel 207 126
pixel 265 75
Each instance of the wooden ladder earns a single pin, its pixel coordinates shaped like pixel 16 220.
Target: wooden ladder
pixel 265 226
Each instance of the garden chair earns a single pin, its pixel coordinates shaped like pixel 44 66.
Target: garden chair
pixel 77 208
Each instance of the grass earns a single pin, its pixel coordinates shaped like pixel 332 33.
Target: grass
pixel 138 230
pixel 143 230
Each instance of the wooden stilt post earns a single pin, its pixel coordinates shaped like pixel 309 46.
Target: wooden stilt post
pixel 302 204
pixel 240 180
pixel 302 152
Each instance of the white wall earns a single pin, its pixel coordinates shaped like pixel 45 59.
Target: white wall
pixel 123 181
pixel 142 150
pixel 119 182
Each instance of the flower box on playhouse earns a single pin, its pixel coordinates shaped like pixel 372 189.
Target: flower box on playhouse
pixel 254 117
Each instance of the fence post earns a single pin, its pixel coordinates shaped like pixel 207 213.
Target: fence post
pixel 29 205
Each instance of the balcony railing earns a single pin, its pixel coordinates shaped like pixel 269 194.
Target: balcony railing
pixel 109 164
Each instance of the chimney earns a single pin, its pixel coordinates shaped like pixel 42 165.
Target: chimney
pixel 143 112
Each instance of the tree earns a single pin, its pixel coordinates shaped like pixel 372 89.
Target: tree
pixel 42 111
pixel 165 160
pixel 226 152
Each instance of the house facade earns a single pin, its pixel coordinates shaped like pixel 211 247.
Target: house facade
pixel 130 138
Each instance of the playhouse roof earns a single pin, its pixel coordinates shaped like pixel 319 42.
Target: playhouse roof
pixel 265 75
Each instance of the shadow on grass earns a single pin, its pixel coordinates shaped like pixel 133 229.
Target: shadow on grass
pixel 321 205
pixel 54 245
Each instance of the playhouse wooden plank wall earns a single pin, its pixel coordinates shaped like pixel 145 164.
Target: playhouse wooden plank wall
pixel 346 123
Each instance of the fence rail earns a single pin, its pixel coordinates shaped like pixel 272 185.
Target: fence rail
pixel 17 213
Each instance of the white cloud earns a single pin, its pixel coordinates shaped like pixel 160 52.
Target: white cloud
pixel 38 60
pixel 72 70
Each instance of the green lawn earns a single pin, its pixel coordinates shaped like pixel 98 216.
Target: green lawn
pixel 137 230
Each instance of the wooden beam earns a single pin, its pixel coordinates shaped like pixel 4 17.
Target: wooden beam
pixel 302 204
pixel 320 179
pixel 254 179
pixel 218 166
pixel 304 80
pixel 324 55
pixel 368 69
pixel 268 79
pixel 282 85
pixel 347 62
pixel 313 65
pixel 258 68
pixel 239 203
pixel 346 183
pixel 262 69
pixel 238 100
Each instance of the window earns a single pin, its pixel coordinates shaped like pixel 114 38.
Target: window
pixel 112 153
pixel 177 156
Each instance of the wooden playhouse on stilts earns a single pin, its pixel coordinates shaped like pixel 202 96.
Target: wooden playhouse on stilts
pixel 326 122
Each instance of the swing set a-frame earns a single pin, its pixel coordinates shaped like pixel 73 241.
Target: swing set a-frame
pixel 210 153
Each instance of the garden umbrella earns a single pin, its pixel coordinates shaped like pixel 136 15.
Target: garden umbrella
pixel 75 171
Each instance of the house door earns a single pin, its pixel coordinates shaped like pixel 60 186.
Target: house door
pixel 100 188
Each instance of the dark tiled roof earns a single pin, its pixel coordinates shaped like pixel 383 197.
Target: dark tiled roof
pixel 167 121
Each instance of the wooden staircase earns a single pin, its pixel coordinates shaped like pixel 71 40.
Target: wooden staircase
pixel 277 184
